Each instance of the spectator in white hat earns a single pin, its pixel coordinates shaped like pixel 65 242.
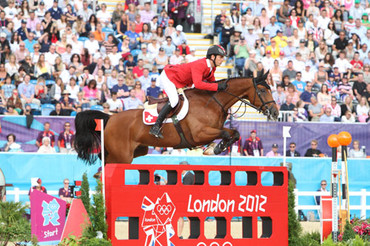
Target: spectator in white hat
pixel 178 37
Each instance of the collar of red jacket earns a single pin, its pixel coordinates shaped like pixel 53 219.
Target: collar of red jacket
pixel 250 139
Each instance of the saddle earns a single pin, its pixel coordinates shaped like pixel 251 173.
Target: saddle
pixel 162 101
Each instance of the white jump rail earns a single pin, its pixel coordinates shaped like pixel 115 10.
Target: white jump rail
pixel 362 207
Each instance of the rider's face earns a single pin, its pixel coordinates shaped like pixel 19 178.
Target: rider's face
pixel 219 59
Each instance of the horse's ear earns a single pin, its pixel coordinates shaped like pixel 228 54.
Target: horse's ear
pixel 264 77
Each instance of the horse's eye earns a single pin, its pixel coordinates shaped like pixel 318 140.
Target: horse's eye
pixel 263 90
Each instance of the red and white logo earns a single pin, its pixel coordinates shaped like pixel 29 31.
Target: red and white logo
pixel 157 220
pixel 149 118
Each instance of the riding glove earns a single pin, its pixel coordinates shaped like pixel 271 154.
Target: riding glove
pixel 221 86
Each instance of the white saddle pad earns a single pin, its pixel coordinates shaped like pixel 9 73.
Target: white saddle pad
pixel 150 113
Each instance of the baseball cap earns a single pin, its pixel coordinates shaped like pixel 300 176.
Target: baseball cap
pixel 278 31
pixel 24 22
pixel 39 181
pixel 179 28
pixel 177 49
pixel 275 145
pixel 268 52
pixel 282 53
pixel 350 18
pixel 308 64
pixel 184 42
pixel 234 7
pixel 250 27
pixel 154 79
pixel 252 52
pixel 331 75
pixel 170 21
pixel 161 49
pixel 3 35
pixel 184 163
pixel 144 46
pixel 237 29
pixel 357 1
pixel 266 32
pixel 242 38
pixel 302 41
pixel 254 131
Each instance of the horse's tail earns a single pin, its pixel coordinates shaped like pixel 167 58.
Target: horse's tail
pixel 87 140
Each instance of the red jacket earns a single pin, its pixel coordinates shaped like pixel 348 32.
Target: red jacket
pixel 193 73
pixel 187 50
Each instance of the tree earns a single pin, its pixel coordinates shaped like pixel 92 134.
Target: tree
pixel 97 214
pixel 294 228
pixel 85 193
pixel 14 227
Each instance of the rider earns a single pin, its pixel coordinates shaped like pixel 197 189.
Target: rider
pixel 179 76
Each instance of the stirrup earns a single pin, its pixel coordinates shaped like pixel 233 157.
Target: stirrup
pixel 156 131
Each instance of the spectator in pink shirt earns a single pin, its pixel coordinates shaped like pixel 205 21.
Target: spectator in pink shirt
pixel 273 151
pixel 146 14
pixel 335 108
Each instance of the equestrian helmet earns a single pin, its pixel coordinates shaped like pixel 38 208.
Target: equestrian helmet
pixel 216 50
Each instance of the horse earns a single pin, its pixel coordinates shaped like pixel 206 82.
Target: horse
pixel 127 137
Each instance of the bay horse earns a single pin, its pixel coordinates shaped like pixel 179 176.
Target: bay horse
pixel 127 137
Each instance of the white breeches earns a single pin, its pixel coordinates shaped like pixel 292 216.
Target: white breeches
pixel 169 88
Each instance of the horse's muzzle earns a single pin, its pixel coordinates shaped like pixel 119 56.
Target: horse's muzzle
pixel 271 112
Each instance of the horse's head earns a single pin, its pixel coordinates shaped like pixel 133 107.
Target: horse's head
pixel 261 97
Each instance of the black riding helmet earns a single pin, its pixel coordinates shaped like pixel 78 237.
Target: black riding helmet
pixel 215 50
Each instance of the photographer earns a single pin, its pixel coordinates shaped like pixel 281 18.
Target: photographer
pixel 241 54
pixel 159 180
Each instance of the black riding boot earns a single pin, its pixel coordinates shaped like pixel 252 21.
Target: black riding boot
pixel 156 128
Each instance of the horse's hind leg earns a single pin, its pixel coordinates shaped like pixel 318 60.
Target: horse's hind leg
pixel 140 151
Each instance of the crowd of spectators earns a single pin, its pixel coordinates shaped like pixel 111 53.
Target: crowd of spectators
pixel 72 56
pixel 317 53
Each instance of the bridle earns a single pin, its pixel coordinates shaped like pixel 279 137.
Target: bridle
pixel 257 92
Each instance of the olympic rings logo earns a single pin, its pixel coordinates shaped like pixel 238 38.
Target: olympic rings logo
pixel 215 244
pixel 164 209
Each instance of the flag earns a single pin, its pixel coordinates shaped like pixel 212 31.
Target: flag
pixel 98 125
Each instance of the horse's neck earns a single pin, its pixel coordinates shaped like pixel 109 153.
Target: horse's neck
pixel 239 87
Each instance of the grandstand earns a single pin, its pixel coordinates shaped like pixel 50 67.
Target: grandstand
pixel 68 52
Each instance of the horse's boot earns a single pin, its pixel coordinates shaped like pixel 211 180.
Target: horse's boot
pixel 156 128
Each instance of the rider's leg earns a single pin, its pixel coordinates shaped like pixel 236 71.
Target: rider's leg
pixel 173 97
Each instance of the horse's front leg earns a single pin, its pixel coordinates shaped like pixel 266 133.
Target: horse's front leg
pixel 229 137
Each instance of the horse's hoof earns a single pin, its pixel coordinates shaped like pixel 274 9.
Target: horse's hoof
pixel 217 150
pixel 210 149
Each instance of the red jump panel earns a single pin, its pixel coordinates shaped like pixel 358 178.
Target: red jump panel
pixel 153 210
